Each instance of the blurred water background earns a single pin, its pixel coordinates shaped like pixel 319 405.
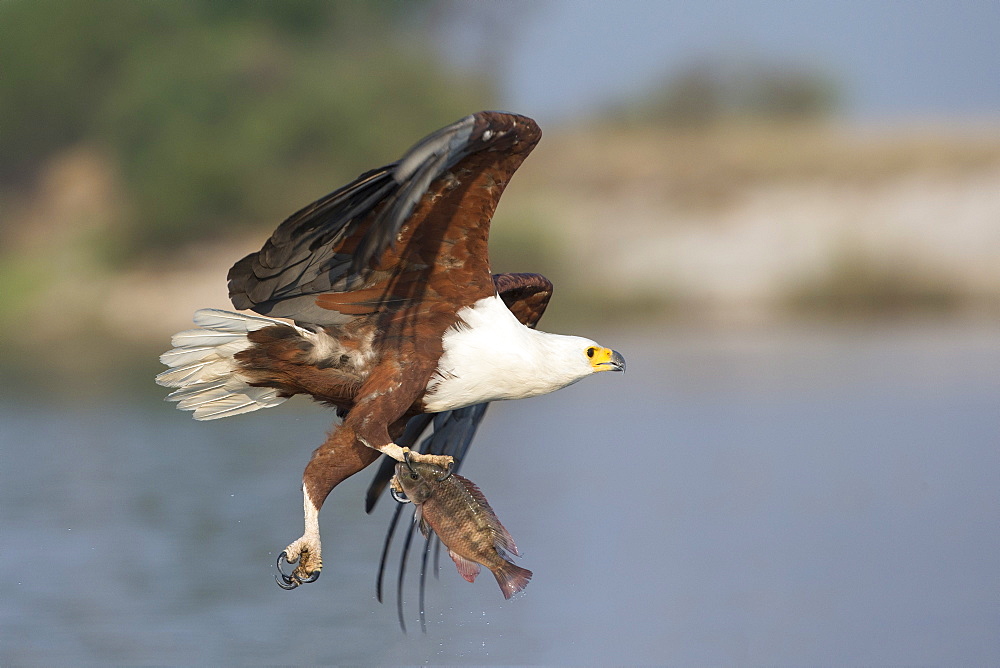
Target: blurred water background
pixel 786 217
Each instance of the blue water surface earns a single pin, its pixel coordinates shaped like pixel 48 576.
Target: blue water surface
pixel 779 495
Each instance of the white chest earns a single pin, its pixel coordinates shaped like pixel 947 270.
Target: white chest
pixel 491 356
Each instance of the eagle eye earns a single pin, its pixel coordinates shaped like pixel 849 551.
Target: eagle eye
pixel 590 351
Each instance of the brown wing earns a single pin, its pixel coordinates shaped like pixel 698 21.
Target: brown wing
pixel 414 230
pixel 526 295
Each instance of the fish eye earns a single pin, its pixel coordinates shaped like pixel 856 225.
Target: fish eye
pixel 414 476
pixel 590 351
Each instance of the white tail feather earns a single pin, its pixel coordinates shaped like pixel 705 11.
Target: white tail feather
pixel 235 404
pixel 229 321
pixel 190 354
pixel 204 337
pixel 199 372
pixel 204 372
pixel 189 398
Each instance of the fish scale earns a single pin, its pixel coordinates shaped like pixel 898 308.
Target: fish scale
pixel 456 510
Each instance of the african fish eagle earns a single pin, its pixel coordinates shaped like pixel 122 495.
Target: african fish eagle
pixel 377 299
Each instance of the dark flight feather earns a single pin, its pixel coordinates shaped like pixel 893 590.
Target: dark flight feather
pixel 342 244
pixel 527 296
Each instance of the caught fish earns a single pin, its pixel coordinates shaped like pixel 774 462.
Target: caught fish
pixel 455 509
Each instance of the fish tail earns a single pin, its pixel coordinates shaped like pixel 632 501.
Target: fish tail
pixel 511 578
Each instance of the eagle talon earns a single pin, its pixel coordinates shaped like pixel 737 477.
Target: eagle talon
pixel 284 581
pixel 407 459
pixel 307 569
pixel 284 557
pixel 444 461
pixel 398 497
pixel 448 471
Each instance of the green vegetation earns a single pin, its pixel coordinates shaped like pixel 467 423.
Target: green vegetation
pixel 145 143
pixel 135 131
pixel 216 114
pixel 708 92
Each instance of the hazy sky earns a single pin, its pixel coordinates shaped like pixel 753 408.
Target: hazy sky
pixel 558 58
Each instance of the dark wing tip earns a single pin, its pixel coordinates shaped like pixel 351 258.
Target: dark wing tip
pixel 431 157
pixel 332 243
pixel 490 130
pixel 504 131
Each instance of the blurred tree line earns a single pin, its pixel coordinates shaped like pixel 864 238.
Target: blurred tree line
pixel 215 114
pixel 707 92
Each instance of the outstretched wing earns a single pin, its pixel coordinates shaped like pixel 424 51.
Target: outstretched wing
pixel 415 229
pixel 527 296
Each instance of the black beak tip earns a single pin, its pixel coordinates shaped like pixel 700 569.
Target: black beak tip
pixel 618 360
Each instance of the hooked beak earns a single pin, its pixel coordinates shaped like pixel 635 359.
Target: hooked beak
pixel 605 359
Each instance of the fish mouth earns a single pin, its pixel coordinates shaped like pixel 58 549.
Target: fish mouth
pixel 616 363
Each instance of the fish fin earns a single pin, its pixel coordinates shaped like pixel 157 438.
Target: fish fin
pixel 502 539
pixel 467 568
pixel 421 522
pixel 511 578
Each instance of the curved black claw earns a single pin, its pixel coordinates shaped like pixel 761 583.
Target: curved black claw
pixel 285 581
pixel 406 459
pixel 398 497
pixel 291 581
pixel 448 471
